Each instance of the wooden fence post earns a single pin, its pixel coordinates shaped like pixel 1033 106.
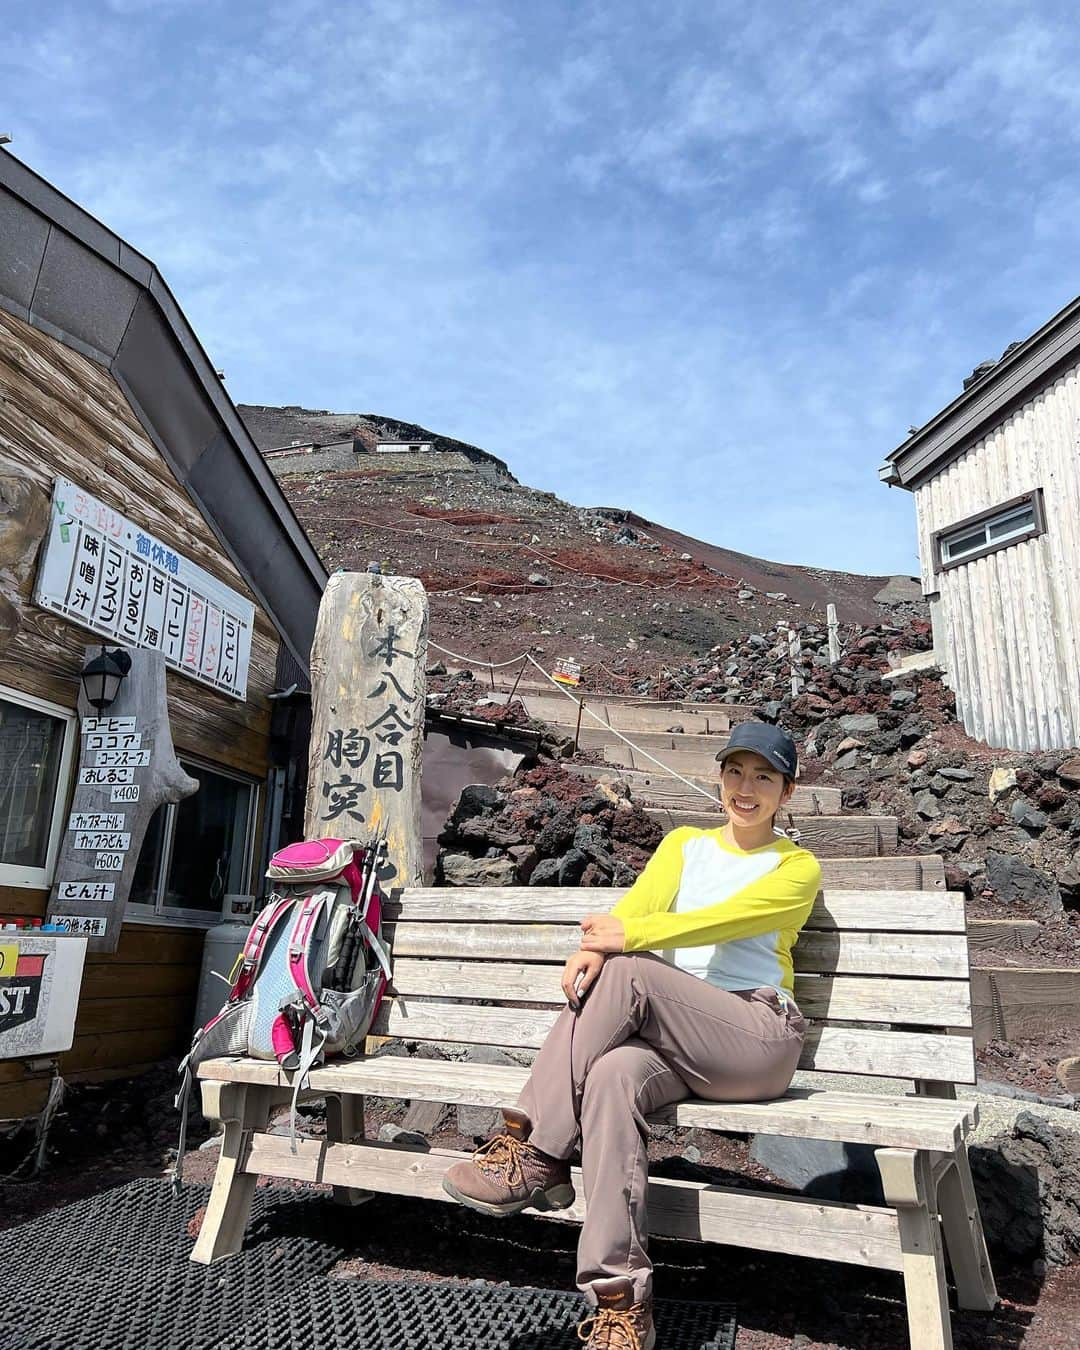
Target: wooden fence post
pixel 367 719
pixel 834 634
pixel 795 654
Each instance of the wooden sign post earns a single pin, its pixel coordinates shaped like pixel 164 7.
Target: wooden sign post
pixel 127 769
pixel 367 717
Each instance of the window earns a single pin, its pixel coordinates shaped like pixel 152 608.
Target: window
pixel 196 851
pixel 1010 523
pixel 37 744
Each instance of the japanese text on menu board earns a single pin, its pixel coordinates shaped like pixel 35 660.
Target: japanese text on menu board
pixel 105 573
pixel 355 759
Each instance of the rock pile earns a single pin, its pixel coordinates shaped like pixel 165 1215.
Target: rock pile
pixel 1027 1181
pixel 545 827
pixel 757 669
pixel 1008 823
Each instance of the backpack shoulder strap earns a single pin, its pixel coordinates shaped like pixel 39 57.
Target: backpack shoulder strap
pixel 251 958
pixel 309 912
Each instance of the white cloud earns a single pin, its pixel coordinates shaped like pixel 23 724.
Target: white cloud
pixel 665 254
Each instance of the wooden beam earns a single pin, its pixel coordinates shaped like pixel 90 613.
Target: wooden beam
pixel 830 1049
pixel 1002 934
pixel 658 742
pixel 804 1113
pixel 870 909
pixel 827 836
pixel 939 955
pixel 1009 1002
pixel 808 799
pixel 847 998
pixel 857 1234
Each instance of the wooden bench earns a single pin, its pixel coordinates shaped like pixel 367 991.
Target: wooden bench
pixel 882 974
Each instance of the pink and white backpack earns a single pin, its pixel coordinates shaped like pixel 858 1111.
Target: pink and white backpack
pixel 313 969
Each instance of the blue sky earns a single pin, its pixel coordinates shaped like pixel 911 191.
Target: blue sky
pixel 705 260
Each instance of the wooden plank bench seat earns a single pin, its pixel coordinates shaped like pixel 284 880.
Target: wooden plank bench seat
pixel 883 976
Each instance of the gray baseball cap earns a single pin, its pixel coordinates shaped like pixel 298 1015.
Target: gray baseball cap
pixel 771 743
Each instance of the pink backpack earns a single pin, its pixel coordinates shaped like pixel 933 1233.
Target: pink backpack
pixel 313 970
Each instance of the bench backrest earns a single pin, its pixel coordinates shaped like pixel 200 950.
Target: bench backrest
pixel 882 974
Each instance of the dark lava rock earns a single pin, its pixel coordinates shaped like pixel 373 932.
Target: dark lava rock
pixel 1027 1182
pixel 1028 815
pixel 1012 879
pixel 571 867
pixel 546 872
pixel 558 834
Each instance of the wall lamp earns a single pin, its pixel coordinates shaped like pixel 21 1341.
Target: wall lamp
pixel 103 675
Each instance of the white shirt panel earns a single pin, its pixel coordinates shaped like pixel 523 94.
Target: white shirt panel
pixel 711 874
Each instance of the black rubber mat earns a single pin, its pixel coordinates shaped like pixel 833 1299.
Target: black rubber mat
pixel 113 1273
pixel 410 1315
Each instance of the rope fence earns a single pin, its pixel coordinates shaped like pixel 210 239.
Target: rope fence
pixel 581 704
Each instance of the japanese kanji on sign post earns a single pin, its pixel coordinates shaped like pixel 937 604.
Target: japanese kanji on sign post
pixel 127 769
pixel 367 722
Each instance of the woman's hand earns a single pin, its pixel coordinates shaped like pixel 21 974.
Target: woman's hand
pixel 579 973
pixel 602 933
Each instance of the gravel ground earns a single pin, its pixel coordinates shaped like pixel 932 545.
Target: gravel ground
pixel 105 1140
pixel 825 1306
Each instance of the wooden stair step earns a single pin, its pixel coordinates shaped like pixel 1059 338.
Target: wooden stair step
pixel 663 790
pixel 827 836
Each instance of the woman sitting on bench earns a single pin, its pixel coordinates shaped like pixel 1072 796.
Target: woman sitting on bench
pixel 716 1020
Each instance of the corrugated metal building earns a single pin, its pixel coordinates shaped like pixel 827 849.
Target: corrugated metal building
pixel 996 480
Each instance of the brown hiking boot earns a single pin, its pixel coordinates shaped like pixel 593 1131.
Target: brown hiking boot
pixel 618 1323
pixel 507 1174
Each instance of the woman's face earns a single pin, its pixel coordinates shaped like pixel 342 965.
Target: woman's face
pixel 751 790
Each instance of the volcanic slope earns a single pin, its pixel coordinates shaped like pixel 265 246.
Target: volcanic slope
pixel 512 569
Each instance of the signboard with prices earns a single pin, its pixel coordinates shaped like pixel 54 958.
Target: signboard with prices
pixel 102 571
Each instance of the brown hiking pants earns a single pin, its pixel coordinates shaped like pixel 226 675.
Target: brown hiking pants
pixel 646 1035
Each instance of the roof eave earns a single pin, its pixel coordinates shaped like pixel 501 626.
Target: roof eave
pixel 974 412
pixel 72 277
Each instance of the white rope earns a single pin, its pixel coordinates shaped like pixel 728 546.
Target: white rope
pixel 476 660
pixel 527 656
pixel 626 739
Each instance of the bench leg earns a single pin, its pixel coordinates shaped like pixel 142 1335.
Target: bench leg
pixel 907 1179
pixel 242 1107
pixel 344 1121
pixel 965 1241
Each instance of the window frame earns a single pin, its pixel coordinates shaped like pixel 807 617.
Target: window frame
pixel 41 878
pixel 1033 499
pixel 173 916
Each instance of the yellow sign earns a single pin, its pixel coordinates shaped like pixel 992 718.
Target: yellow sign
pixel 9 958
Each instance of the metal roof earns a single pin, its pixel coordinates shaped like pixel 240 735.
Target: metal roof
pixel 1012 382
pixel 65 273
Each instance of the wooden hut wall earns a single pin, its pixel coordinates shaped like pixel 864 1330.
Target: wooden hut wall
pixel 1008 623
pixel 61 414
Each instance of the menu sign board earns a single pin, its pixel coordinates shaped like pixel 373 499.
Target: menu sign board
pixel 102 571
pixel 114 802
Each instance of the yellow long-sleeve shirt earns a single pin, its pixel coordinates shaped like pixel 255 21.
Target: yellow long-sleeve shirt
pixel 730 916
